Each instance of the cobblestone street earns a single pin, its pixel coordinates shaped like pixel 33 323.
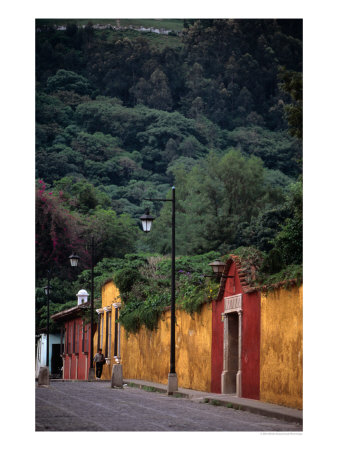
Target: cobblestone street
pixel 83 406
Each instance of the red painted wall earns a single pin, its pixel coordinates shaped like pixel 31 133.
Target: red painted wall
pixel 250 345
pixel 250 338
pixel 71 357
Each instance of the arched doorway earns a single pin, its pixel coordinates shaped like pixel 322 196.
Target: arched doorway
pixel 231 378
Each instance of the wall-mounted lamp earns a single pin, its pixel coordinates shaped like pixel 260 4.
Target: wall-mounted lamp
pixel 217 267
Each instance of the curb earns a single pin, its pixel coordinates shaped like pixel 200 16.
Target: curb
pixel 144 385
pixel 242 404
pixel 261 410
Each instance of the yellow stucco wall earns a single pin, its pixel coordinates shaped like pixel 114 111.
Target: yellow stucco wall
pixel 281 355
pixel 110 295
pixel 146 355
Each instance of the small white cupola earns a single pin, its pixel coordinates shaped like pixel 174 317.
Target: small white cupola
pixel 82 297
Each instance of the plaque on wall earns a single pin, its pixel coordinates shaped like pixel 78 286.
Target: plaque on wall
pixel 233 303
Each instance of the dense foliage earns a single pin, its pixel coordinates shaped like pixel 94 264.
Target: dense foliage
pixel 147 293
pixel 212 106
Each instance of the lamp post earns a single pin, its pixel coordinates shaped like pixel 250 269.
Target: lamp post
pixel 47 290
pixel 117 339
pixel 74 261
pixel 117 373
pixel 147 220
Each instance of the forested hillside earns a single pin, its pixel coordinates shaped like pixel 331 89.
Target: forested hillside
pixel 211 106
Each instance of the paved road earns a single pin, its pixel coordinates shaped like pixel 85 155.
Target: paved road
pixel 83 406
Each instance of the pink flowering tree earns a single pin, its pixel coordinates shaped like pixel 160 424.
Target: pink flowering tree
pixel 58 233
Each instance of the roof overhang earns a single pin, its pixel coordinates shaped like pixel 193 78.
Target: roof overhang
pixel 69 313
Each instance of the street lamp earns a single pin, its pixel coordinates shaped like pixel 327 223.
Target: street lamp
pixel 217 267
pixel 47 290
pixel 74 259
pixel 147 220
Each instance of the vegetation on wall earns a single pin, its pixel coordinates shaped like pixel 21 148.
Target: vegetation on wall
pixel 147 295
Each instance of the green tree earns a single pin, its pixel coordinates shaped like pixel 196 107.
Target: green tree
pixel 81 195
pixel 277 149
pixel 114 235
pixel 160 95
pixel 287 245
pixel 66 80
pixel 212 200
pixel 51 116
pixel 292 83
pixel 141 91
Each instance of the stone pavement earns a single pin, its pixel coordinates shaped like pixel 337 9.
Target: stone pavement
pixel 229 400
pixel 95 406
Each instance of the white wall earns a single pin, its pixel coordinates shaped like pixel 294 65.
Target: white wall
pixel 41 351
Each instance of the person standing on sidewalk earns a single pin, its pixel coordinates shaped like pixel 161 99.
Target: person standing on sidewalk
pixel 99 360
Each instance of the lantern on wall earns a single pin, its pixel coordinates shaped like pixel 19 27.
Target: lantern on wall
pixel 217 267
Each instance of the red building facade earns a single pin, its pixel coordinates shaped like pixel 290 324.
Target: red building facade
pixel 236 334
pixel 76 333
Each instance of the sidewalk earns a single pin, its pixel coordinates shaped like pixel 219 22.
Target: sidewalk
pixel 228 400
